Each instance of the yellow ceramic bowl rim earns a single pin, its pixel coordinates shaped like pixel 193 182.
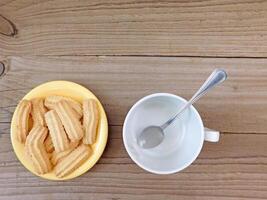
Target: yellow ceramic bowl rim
pixel 102 129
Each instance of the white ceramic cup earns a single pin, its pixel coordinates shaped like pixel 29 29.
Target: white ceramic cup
pixel 183 139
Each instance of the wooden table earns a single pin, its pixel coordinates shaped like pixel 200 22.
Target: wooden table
pixel 123 50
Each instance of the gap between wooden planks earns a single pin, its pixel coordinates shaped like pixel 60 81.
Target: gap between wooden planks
pixel 234 28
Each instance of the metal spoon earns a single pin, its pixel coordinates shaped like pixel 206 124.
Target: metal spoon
pixel 152 136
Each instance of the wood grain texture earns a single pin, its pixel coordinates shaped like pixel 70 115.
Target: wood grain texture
pixel 7 28
pixel 144 27
pixel 233 169
pixel 123 50
pixel 237 106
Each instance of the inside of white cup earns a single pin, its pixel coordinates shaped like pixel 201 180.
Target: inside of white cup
pixel 183 139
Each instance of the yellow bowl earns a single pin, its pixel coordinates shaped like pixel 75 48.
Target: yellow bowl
pixel 77 92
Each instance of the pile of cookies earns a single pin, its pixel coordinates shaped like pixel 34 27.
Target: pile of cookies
pixel 61 135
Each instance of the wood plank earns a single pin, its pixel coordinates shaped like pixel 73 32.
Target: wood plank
pixel 235 168
pixel 238 105
pixel 127 27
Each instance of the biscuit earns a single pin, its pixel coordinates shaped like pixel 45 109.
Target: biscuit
pixel 71 124
pixel 37 134
pixel 38 111
pixel 73 160
pixel 49 147
pixel 51 101
pixel 90 120
pixel 40 158
pixel 22 120
pixel 57 133
pixel 56 157
pixel 36 151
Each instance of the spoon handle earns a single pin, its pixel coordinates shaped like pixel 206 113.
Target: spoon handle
pixel 216 77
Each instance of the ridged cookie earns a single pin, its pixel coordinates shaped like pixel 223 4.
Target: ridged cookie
pixel 72 161
pixel 71 124
pixel 35 149
pixel 90 120
pixel 56 157
pixel 22 120
pixel 57 132
pixel 38 111
pixel 37 134
pixel 51 101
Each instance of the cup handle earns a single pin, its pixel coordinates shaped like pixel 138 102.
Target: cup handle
pixel 211 135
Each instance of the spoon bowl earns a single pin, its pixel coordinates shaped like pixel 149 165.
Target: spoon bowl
pixel 151 136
